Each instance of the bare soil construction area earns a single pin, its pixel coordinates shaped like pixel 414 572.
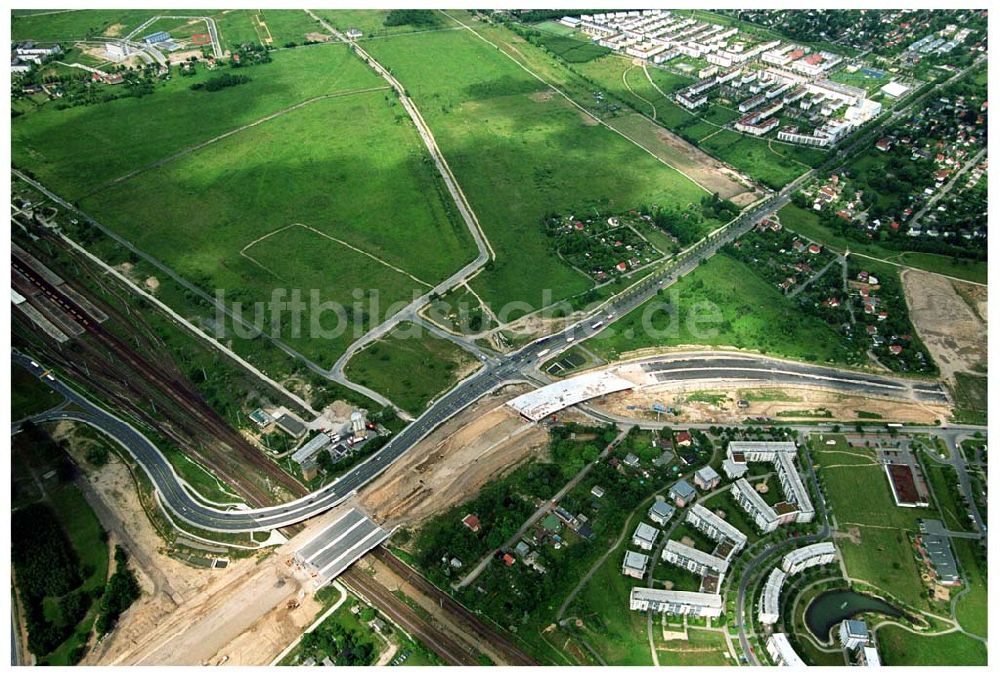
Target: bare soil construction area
pixel 702 168
pixel 789 404
pixel 954 334
pixel 454 462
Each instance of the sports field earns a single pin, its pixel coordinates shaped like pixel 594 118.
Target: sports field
pixel 357 217
pixel 520 152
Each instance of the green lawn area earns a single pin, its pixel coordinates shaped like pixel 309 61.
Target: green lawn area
pixel 410 366
pixel 773 164
pixel 723 303
pixel 78 149
pixel 972 271
pixel 76 24
pixel 899 647
pixel 807 223
pixel 372 21
pixel 970 397
pixel 519 152
pixel 857 488
pixel 943 482
pixel 886 559
pixel 972 609
pixel 270 208
pixel 615 632
pixel 28 395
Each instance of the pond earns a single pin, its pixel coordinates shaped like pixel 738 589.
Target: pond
pixel 831 607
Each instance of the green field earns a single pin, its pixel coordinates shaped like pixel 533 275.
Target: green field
pixel 346 217
pixel 521 152
pixel 410 366
pixel 372 22
pixel 858 490
pixel 970 398
pixel 806 222
pixel 723 303
pixel 76 150
pixel 899 647
pixel 28 395
pixel 972 609
pixel 773 164
pixel 76 24
pixel 885 558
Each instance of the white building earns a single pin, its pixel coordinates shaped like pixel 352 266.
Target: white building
pixel 694 560
pixel 853 634
pixel 715 527
pixel 817 554
pixel 116 51
pixel 29 51
pixel 869 657
pixel 661 512
pixel 762 514
pixel 635 564
pixel 644 536
pixel 895 90
pixel 781 652
pixel 672 602
pixel 770 599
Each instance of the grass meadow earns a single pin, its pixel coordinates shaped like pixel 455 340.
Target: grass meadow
pixel 75 151
pixel 751 314
pixel 409 368
pixel 370 211
pixel 520 152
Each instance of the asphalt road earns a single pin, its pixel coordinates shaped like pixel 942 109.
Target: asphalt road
pixel 516 366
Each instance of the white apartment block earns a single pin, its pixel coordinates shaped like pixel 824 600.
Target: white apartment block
pixel 763 515
pixel 770 599
pixel 817 554
pixel 672 602
pixel 715 527
pixel 781 652
pixel 694 560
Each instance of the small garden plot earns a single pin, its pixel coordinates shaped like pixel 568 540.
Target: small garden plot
pixel 884 318
pixel 780 256
pixel 604 248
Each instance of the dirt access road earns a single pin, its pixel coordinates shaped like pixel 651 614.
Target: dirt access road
pixel 450 465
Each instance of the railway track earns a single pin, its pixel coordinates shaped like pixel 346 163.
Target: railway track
pixel 488 634
pixel 445 647
pixel 179 393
